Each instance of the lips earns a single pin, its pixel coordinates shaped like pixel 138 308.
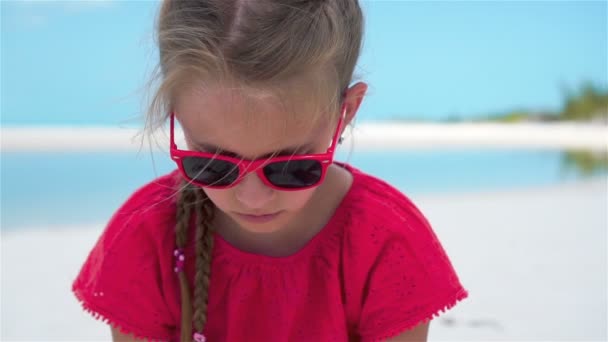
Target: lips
pixel 257 218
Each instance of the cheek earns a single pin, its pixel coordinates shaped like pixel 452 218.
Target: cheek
pixel 295 200
pixel 221 198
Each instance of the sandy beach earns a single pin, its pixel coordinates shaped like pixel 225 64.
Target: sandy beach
pixel 534 262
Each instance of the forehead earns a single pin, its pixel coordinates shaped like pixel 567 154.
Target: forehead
pixel 250 123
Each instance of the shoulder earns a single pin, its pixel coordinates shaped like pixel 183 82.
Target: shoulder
pixel 385 225
pixel 144 218
pixel 120 280
pixel 150 202
pixel 375 204
pixel 398 274
pixel 141 226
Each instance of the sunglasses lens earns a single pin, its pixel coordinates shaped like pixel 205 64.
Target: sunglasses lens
pixel 294 174
pixel 210 171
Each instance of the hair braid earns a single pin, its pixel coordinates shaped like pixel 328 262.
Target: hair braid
pixel 204 249
pixel 194 199
pixel 181 238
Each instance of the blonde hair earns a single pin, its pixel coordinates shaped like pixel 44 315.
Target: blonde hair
pixel 264 44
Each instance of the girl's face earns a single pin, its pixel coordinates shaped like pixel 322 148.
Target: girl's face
pixel 251 126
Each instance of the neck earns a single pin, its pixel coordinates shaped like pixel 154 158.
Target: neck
pixel 283 242
pixel 299 231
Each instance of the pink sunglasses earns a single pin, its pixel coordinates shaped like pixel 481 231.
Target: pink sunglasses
pixel 286 173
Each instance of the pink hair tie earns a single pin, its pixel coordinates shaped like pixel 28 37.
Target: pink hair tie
pixel 179 260
pixel 199 337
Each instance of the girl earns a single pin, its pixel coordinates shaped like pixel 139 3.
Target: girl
pixel 258 235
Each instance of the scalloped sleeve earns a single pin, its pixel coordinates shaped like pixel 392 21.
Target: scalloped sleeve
pixel 403 276
pixel 120 281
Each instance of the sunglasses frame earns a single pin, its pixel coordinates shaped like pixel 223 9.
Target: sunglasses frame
pixel 248 166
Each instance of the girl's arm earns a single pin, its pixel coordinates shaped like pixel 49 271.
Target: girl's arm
pixel 418 334
pixel 117 336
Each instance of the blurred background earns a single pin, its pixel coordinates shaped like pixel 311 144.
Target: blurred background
pixel 525 225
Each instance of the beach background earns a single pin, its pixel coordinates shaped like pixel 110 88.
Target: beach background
pixel 484 113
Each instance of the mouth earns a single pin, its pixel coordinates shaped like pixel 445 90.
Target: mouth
pixel 257 218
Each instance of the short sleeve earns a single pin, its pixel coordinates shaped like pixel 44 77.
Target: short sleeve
pixel 120 281
pixel 409 278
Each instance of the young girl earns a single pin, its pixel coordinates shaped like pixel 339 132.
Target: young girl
pixel 258 235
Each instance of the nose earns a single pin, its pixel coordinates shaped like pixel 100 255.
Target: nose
pixel 252 192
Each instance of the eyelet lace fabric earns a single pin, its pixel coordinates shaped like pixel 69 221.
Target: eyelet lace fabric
pixel 375 270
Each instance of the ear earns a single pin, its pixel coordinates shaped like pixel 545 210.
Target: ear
pixel 352 100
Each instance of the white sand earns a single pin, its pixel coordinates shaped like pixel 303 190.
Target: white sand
pixel 366 135
pixel 534 262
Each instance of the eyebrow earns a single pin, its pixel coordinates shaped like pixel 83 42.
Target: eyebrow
pixel 283 152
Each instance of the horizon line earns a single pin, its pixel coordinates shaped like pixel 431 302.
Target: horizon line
pixel 367 135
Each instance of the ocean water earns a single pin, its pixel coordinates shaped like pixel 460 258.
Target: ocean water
pixel 51 189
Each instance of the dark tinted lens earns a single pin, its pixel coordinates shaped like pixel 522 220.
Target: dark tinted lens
pixel 294 174
pixel 210 171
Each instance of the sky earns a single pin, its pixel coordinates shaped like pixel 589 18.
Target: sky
pixel 87 62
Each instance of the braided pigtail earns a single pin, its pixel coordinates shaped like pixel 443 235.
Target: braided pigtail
pixel 203 250
pixel 181 237
pixel 193 199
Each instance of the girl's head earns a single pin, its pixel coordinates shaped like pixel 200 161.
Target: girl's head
pixel 300 54
pixel 252 79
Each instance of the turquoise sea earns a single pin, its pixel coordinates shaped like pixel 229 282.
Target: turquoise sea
pixel 51 189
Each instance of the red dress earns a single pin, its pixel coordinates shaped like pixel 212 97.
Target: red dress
pixel 375 270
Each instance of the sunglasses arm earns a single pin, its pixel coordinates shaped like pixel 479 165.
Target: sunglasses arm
pixel 338 130
pixel 173 145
